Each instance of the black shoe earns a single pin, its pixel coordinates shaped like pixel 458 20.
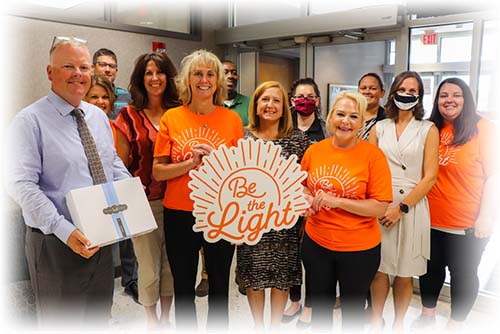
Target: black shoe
pixel 287 318
pixel 132 291
pixel 202 288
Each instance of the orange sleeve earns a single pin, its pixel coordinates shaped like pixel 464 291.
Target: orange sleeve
pixel 488 152
pixel 380 180
pixel 304 163
pixel 163 143
pixel 113 130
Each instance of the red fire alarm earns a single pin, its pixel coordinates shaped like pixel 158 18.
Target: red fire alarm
pixel 159 47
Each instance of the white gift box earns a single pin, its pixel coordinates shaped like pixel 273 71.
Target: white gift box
pixel 111 212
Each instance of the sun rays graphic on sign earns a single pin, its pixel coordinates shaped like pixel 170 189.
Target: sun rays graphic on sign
pixel 242 192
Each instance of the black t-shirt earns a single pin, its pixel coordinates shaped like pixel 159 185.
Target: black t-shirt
pixel 315 131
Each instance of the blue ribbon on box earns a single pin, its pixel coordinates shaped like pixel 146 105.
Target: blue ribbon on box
pixel 115 209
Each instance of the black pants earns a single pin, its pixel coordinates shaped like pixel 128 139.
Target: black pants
pixel 296 293
pixel 183 245
pixel 353 270
pixel 128 262
pixel 462 255
pixel 70 291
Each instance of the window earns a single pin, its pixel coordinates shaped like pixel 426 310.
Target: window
pixel 439 52
pixel 486 102
pixel 456 48
pixel 317 7
pixel 392 53
pixel 452 43
pixel 168 18
pixel 166 15
pixel 422 54
pixel 258 11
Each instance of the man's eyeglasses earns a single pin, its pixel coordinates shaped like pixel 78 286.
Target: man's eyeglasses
pixel 104 65
pixel 62 39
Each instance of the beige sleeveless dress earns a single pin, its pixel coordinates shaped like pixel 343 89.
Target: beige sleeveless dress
pixel 406 245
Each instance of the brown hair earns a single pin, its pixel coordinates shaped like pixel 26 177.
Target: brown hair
pixel 465 125
pixel 285 126
pixel 137 89
pixel 391 111
pixel 102 81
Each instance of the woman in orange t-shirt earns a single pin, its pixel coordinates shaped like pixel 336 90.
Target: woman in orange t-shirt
pixel 462 202
pixel 350 182
pixel 187 133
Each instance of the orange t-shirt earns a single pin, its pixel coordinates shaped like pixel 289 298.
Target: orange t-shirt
pixel 180 129
pixel 455 199
pixel 361 172
pixel 113 129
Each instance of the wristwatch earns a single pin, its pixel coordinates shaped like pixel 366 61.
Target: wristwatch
pixel 403 207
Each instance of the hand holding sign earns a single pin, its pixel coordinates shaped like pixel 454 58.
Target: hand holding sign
pixel 241 192
pixel 199 151
pixel 310 210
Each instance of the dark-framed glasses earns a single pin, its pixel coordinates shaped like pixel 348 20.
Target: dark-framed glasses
pixel 310 97
pixel 104 65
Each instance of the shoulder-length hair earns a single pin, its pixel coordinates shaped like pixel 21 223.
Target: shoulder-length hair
pixel 189 63
pixel 285 125
pixel 465 125
pixel 102 81
pixel 358 99
pixel 137 89
pixel 391 111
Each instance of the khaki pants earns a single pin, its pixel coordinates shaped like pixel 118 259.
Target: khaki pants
pixel 153 270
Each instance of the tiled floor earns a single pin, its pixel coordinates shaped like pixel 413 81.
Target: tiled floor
pixel 129 317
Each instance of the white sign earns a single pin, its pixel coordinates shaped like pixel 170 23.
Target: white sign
pixel 242 192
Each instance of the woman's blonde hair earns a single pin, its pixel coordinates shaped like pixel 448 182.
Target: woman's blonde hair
pixel 200 58
pixel 285 126
pixel 358 99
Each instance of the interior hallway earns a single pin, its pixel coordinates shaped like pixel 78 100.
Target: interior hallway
pixel 129 317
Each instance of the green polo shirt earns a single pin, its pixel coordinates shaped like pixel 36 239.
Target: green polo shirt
pixel 240 105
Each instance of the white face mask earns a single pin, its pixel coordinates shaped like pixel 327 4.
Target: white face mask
pixel 405 101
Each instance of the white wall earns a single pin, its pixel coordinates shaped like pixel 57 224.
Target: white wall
pixel 26 43
pixel 344 64
pixel 29 42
